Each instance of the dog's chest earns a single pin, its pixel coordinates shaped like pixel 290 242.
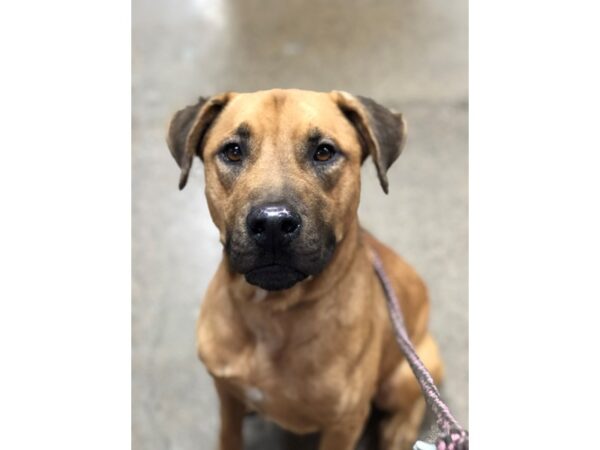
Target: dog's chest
pixel 297 394
pixel 287 375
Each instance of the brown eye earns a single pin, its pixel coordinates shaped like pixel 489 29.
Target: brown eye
pixel 232 152
pixel 324 153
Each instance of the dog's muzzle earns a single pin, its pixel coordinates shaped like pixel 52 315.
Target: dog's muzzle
pixel 276 245
pixel 273 228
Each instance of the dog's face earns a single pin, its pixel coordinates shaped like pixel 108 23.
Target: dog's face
pixel 282 172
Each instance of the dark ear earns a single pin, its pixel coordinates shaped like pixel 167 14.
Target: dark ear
pixel 382 132
pixel 188 128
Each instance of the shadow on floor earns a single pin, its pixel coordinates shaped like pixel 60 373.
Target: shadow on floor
pixel 260 434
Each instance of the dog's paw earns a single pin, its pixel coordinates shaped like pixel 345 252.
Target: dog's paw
pixel 400 431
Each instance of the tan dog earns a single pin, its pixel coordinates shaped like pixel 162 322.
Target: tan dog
pixel 294 324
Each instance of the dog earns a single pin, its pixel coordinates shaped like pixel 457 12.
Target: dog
pixel 294 323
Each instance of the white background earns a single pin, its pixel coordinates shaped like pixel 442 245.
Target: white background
pixel 65 224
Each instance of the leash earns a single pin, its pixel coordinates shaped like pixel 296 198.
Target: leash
pixel 453 436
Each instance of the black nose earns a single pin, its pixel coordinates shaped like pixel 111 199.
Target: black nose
pixel 273 226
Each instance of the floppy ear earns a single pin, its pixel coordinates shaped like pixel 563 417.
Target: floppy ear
pixel 382 132
pixel 188 128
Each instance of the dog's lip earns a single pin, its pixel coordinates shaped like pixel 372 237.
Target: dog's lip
pixel 274 277
pixel 275 266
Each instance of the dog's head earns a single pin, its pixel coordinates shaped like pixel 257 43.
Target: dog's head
pixel 282 172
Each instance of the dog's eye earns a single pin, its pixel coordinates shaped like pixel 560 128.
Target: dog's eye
pixel 324 152
pixel 232 152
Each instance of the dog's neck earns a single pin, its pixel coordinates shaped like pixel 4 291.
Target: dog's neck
pixel 310 289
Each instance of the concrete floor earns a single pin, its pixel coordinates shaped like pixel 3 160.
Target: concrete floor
pixel 407 54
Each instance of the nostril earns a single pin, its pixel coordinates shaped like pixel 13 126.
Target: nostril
pixel 258 226
pixel 288 226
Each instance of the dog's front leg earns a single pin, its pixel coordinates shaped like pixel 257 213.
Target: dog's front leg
pixel 232 416
pixel 344 435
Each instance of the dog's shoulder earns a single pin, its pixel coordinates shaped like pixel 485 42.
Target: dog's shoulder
pixel 219 341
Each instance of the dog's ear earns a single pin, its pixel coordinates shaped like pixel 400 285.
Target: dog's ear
pixel 381 131
pixel 188 128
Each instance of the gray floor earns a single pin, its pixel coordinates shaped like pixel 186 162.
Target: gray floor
pixel 408 54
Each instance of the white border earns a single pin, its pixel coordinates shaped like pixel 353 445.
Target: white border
pixel 65 239
pixel 534 224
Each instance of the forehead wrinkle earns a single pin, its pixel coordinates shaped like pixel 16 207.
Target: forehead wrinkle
pixel 243 131
pixel 278 100
pixel 314 135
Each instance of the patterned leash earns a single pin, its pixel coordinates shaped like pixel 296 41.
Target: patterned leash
pixel 453 436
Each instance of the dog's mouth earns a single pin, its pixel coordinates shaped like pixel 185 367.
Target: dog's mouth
pixel 274 277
